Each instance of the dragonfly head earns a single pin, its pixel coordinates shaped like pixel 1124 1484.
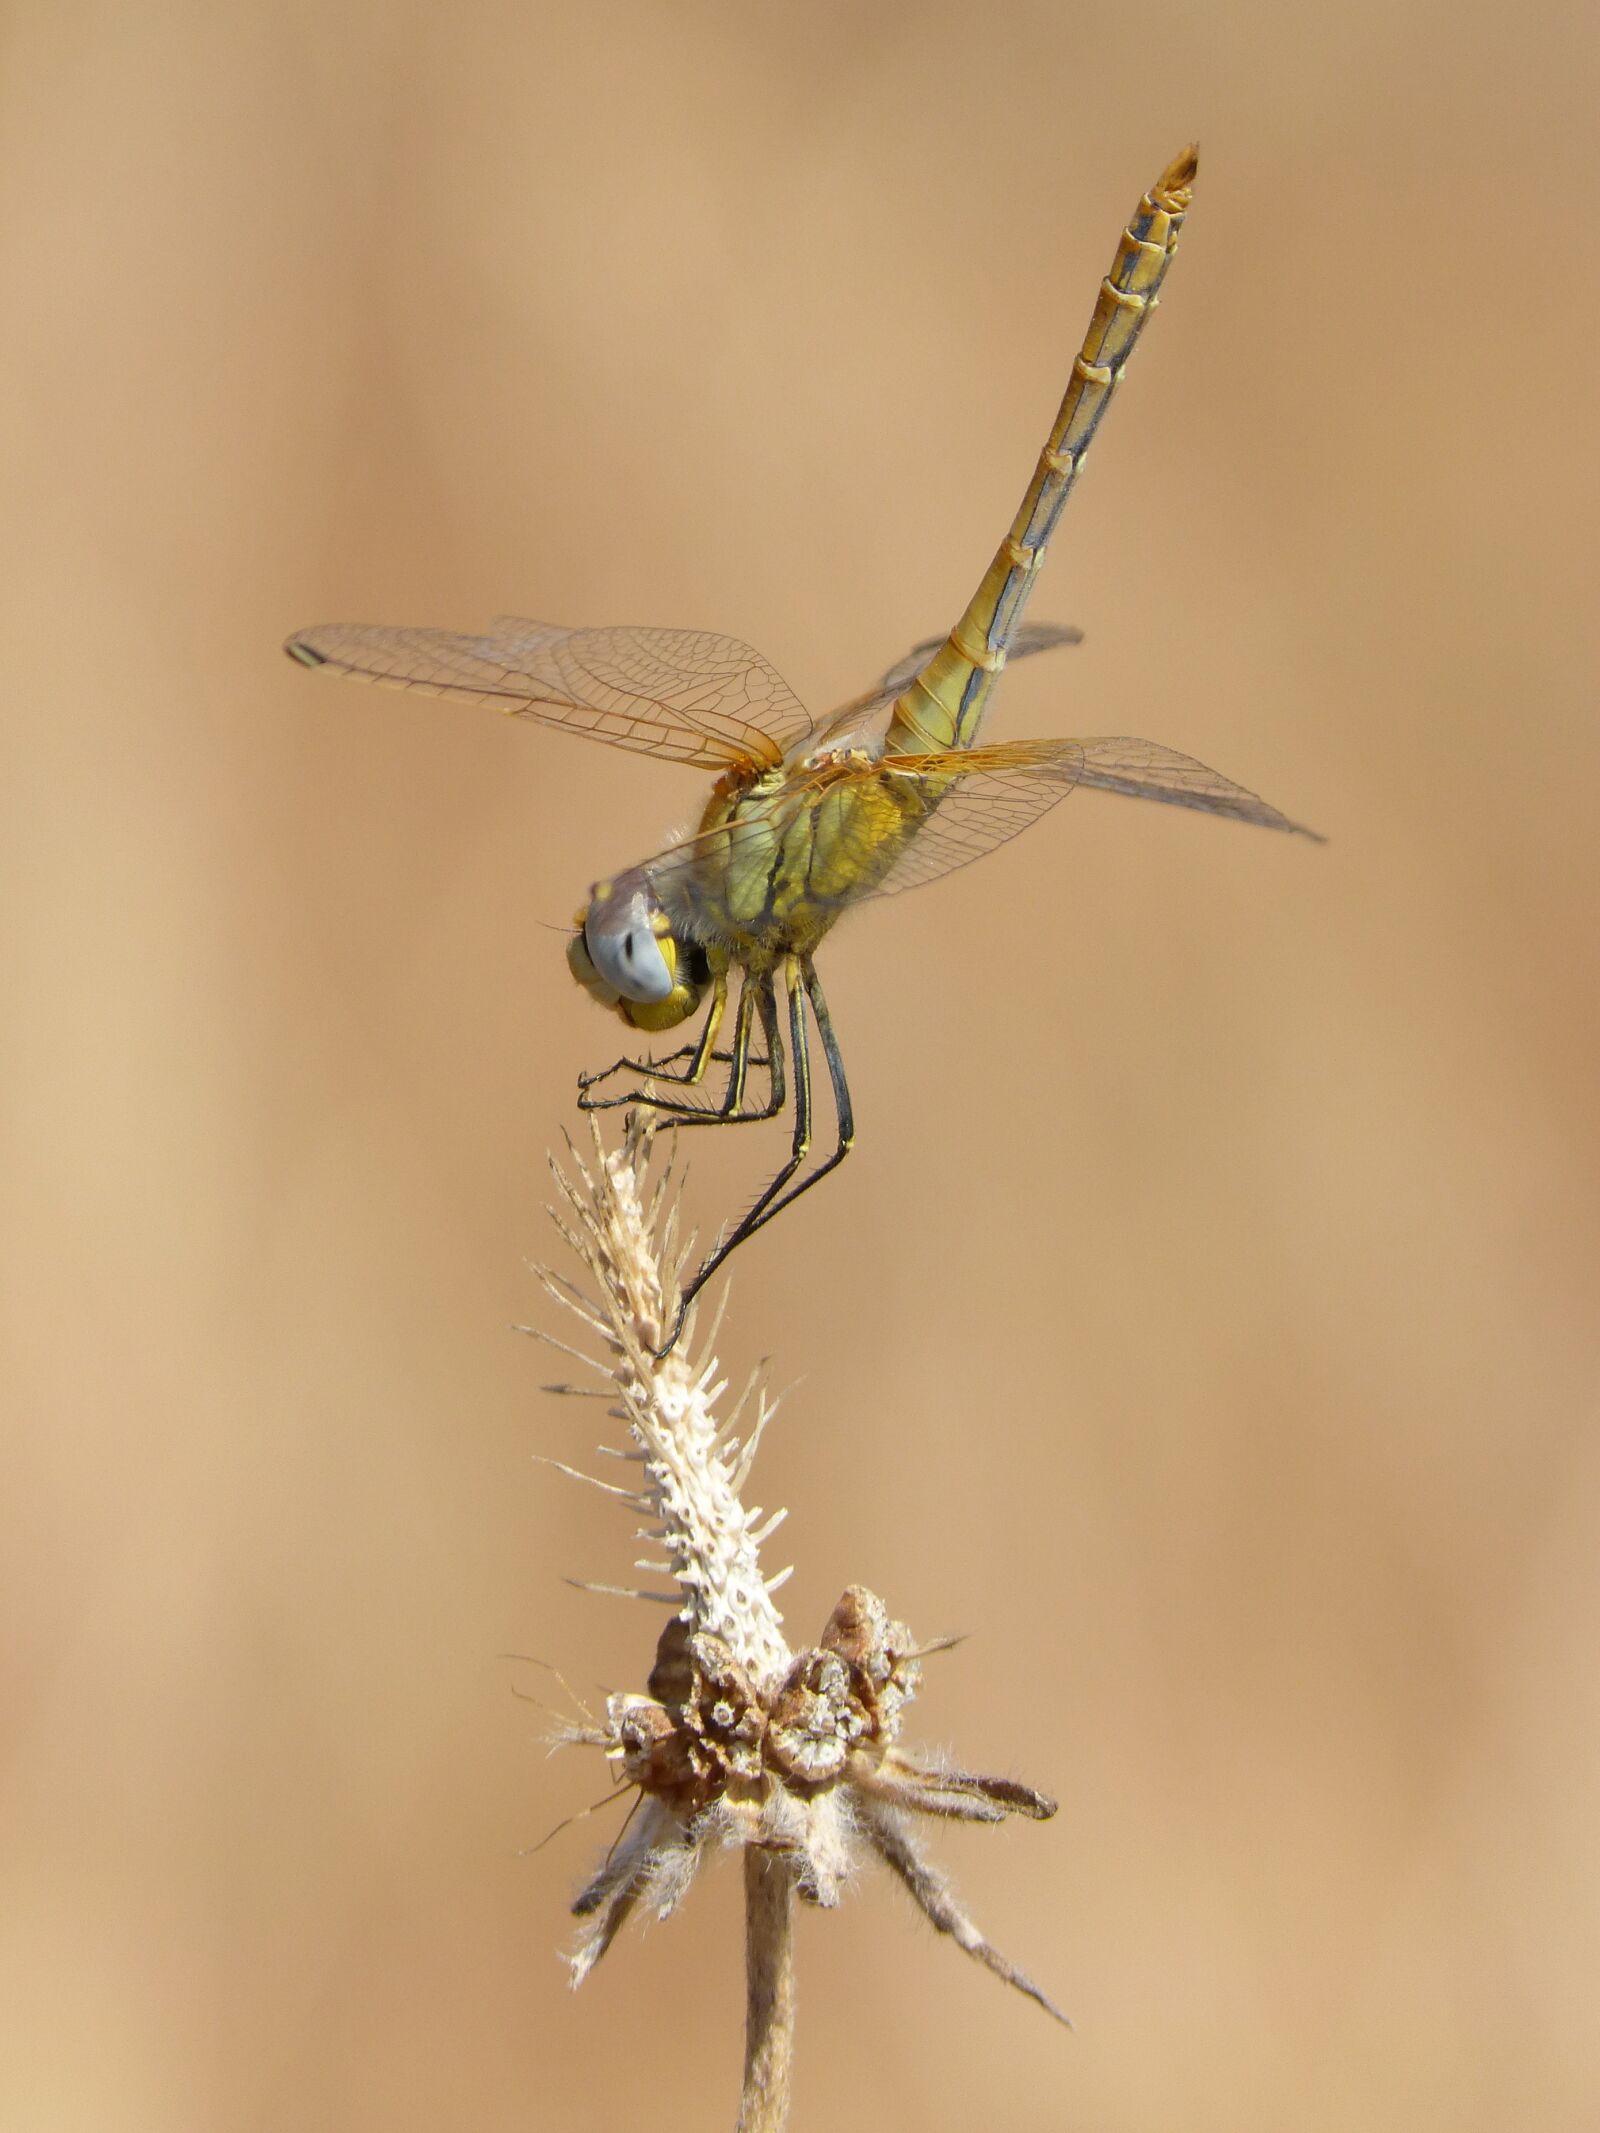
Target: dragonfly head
pixel 626 955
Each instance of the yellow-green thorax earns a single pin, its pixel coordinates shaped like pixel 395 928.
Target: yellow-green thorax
pixel 778 857
pixel 782 855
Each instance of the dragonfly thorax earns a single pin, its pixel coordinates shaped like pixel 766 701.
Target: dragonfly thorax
pixel 626 955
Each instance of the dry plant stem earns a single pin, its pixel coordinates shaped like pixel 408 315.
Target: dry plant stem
pixel 769 1985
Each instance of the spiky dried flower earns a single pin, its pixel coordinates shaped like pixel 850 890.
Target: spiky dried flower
pixel 737 1740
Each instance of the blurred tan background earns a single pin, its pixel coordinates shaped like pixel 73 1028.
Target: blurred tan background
pixel 1207 1322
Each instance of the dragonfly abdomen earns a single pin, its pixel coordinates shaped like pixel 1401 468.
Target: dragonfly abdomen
pixel 944 706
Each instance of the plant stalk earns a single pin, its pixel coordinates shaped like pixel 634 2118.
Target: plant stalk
pixel 769 1988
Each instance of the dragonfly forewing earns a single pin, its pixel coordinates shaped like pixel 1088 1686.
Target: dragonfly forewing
pixel 686 696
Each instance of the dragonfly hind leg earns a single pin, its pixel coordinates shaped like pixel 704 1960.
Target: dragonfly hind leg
pixel 803 985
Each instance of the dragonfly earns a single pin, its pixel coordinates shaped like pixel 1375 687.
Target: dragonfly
pixel 807 817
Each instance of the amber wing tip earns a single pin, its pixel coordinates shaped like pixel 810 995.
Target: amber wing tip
pixel 1174 189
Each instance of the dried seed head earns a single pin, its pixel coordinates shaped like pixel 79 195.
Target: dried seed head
pixel 739 1741
pixel 807 1769
pixel 693 1466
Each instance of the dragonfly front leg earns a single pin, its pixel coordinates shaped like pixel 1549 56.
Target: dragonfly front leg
pixel 754 993
pixel 699 1054
pixel 655 1069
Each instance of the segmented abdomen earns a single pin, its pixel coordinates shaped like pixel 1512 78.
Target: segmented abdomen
pixel 944 706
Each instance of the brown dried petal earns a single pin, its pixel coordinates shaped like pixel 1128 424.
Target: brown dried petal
pixel 817 1719
pixel 878 1651
pixel 657 1755
pixel 710 1696
pixel 726 1712
pixel 905 1677
pixel 857 1627
pixel 672 1677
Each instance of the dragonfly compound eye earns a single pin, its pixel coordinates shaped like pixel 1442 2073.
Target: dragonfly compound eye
pixel 630 947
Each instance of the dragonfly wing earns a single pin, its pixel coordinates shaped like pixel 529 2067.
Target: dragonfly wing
pixel 980 798
pixel 977 799
pixel 1031 637
pixel 866 714
pixel 688 696
pixel 1145 770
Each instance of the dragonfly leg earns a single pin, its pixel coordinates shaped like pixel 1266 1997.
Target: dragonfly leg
pixel 753 994
pixel 757 997
pixel 699 1054
pixel 775 1198
pixel 803 985
pixel 731 1110
pixel 654 1069
pixel 777 1095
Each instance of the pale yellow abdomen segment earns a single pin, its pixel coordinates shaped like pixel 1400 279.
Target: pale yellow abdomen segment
pixel 944 706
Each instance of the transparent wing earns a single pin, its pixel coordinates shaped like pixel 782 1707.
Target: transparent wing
pixel 981 797
pixel 860 714
pixel 1031 637
pixel 851 834
pixel 687 696
pixel 1145 770
pixel 977 800
pixel 840 832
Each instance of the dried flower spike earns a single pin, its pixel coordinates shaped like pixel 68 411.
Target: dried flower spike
pixel 792 1756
